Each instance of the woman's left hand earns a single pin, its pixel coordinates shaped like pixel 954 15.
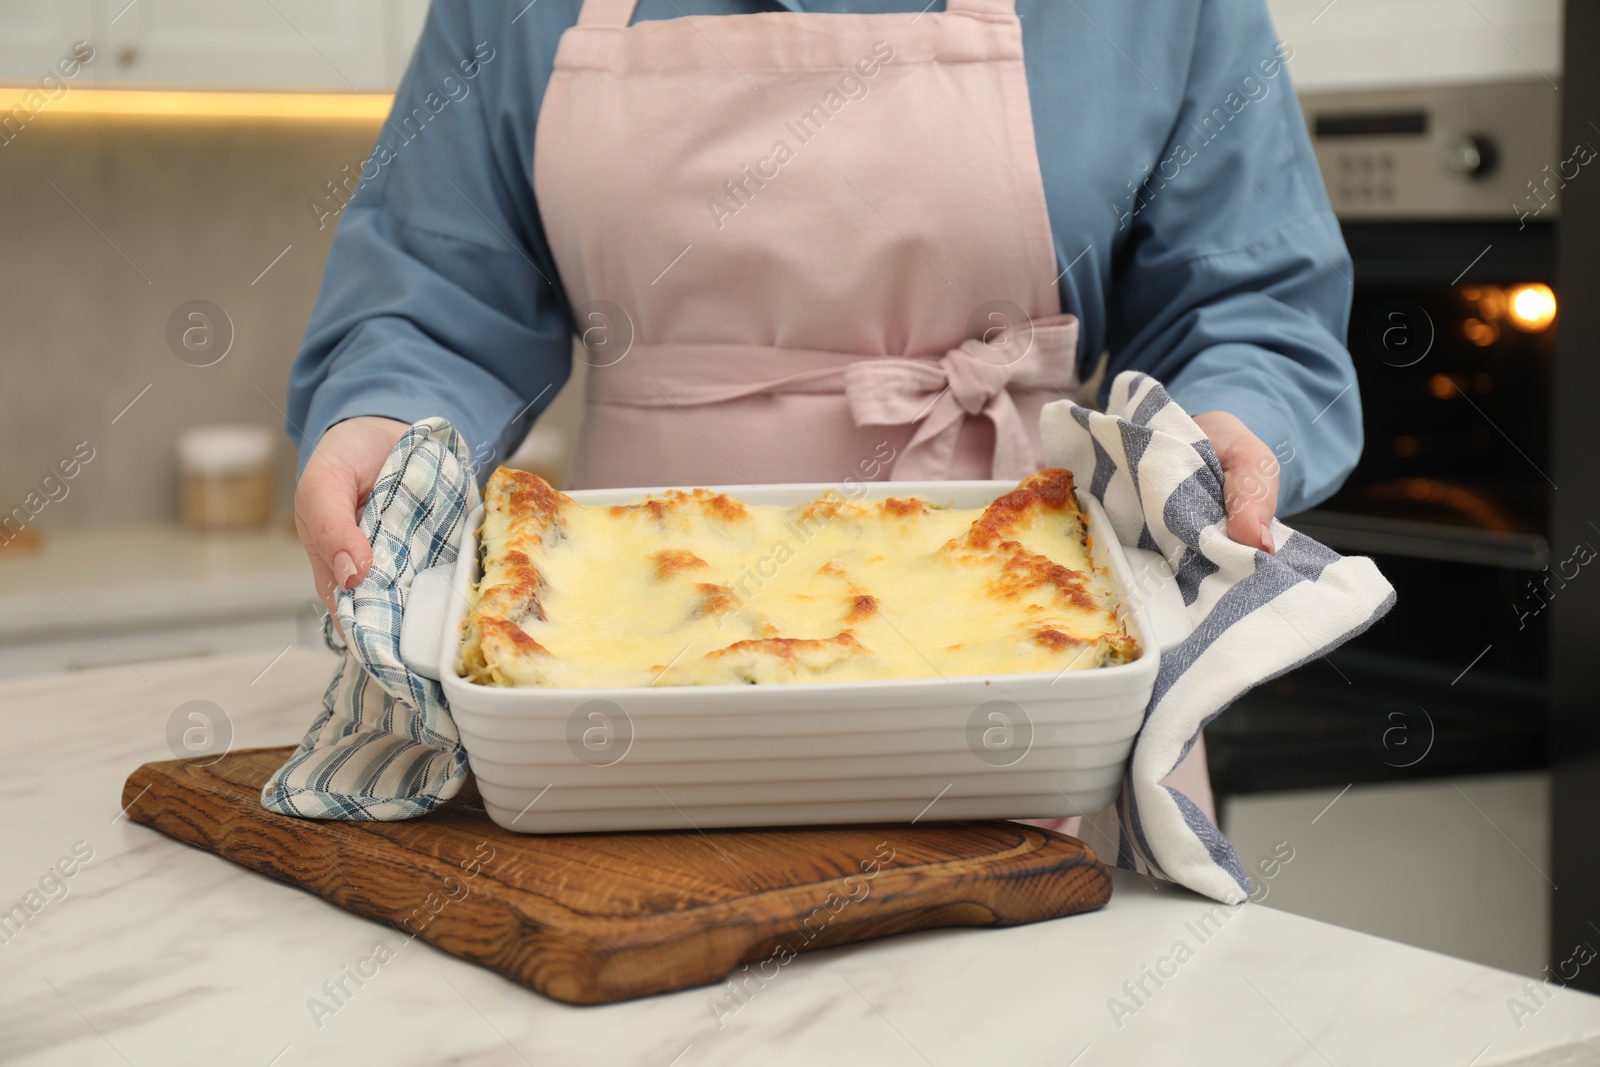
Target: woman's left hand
pixel 1250 478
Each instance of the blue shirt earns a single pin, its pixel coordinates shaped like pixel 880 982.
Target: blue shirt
pixel 1188 214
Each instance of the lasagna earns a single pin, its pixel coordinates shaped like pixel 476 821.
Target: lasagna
pixel 699 588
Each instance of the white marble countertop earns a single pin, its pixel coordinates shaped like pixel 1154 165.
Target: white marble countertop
pixel 138 573
pixel 162 954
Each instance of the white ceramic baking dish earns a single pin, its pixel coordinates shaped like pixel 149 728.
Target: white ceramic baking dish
pixel 1001 746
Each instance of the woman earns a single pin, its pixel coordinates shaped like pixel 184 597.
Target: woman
pixel 818 240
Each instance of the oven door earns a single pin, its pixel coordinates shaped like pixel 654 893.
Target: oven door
pixel 1452 333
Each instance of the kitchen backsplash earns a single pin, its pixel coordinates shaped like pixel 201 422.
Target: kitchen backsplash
pixel 112 231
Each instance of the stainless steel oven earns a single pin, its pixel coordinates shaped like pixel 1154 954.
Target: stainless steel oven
pixel 1448 198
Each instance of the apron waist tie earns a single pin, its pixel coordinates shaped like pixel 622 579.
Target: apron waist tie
pixel 936 394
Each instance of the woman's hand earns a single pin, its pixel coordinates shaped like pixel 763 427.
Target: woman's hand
pixel 332 490
pixel 1250 478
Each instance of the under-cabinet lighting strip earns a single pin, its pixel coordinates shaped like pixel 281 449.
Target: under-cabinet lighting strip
pixel 185 103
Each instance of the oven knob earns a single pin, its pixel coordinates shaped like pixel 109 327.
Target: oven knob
pixel 1472 155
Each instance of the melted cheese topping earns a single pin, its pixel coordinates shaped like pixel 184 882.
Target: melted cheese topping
pixel 700 589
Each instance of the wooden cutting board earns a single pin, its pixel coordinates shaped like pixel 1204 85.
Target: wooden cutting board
pixel 597 918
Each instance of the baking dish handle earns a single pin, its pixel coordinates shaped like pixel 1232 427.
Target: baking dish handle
pixel 422 622
pixel 1155 593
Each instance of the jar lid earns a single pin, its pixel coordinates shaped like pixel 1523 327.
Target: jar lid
pixel 226 447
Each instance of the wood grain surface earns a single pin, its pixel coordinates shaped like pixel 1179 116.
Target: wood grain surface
pixel 597 918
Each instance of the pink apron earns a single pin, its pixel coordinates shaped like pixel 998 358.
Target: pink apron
pixel 804 247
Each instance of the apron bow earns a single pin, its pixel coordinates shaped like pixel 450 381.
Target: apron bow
pixel 971 380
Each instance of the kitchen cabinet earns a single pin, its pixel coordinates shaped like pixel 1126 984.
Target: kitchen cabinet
pixel 402 25
pixel 110 596
pixel 33 36
pixel 267 635
pixel 1354 44
pixel 337 45
pixel 365 44
pixel 281 44
pixel 1490 832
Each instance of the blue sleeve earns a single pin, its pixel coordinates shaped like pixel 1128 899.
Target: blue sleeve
pixel 439 296
pixel 1233 285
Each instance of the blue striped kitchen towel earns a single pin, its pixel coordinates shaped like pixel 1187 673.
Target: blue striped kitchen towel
pixel 1255 615
pixel 384 746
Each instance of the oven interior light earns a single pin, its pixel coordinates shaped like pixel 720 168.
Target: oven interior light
pixel 1483 334
pixel 1532 307
pixel 1490 300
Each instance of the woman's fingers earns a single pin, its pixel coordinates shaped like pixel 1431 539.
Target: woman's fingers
pixel 1250 479
pixel 329 497
pixel 323 583
pixel 1249 518
pixel 325 515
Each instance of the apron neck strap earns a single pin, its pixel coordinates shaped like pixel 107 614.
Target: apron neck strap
pixel 619 13
pixel 603 13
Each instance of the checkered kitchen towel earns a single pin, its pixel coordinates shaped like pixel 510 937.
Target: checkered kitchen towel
pixel 384 746
pixel 1255 615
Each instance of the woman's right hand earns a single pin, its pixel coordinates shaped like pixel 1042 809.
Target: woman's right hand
pixel 332 491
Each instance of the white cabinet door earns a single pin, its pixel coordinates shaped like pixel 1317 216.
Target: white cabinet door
pixel 266 44
pixel 224 44
pixel 1363 44
pixel 34 35
pixel 151 644
pixel 403 21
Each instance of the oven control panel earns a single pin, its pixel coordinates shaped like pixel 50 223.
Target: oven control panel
pixel 1486 151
